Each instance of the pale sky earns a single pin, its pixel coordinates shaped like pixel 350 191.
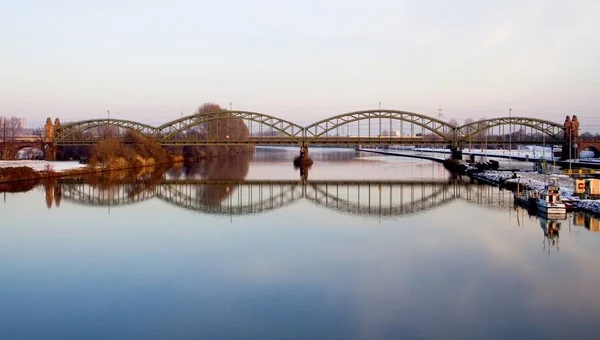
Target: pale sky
pixel 302 61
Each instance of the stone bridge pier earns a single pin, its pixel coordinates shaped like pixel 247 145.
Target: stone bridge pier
pixel 456 151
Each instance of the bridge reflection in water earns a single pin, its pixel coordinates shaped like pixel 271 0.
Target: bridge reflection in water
pixel 245 197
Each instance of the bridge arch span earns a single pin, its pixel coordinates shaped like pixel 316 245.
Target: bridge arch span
pixel 38 151
pixel 593 148
pixel 170 130
pixel 433 125
pixel 74 131
pixel 11 150
pixel 474 130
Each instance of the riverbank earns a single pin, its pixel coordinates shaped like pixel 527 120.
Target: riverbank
pixel 45 170
pixel 535 181
pixel 57 166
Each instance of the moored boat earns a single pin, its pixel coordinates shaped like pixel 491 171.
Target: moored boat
pixel 549 201
pixel 527 199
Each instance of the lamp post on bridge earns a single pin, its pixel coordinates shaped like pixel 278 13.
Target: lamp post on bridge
pixel 571 146
pixel 510 138
pixel 380 133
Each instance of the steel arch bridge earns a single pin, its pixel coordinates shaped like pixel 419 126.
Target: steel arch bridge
pixel 368 127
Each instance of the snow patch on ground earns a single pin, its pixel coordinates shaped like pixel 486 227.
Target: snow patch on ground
pixel 586 154
pixel 534 152
pixel 493 176
pixel 589 205
pixel 539 181
pixel 41 165
pixel 533 180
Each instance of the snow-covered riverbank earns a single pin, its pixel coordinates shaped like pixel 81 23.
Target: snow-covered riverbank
pixel 43 165
pixel 531 152
pixel 532 180
pixel 592 206
pixel 537 181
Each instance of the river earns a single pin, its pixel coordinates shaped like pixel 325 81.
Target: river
pixel 362 246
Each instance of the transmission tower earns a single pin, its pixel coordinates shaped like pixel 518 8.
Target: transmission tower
pixel 440 113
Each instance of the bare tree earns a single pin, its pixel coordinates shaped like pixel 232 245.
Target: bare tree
pixel 587 134
pixel 453 122
pixel 226 127
pixel 209 107
pixel 13 127
pixel 40 133
pixel 469 121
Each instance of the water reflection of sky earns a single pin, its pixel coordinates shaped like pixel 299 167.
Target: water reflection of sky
pixel 151 270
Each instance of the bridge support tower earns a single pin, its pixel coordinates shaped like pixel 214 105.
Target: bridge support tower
pixel 49 148
pixel 571 136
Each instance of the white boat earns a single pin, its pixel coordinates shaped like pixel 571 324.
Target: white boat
pixel 549 201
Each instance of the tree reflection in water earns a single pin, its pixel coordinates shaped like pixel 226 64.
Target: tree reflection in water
pixel 230 168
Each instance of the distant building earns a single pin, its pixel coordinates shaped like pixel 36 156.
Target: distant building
pixel 394 133
pixel 5 120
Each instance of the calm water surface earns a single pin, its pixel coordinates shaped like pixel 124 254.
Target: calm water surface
pixel 369 247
